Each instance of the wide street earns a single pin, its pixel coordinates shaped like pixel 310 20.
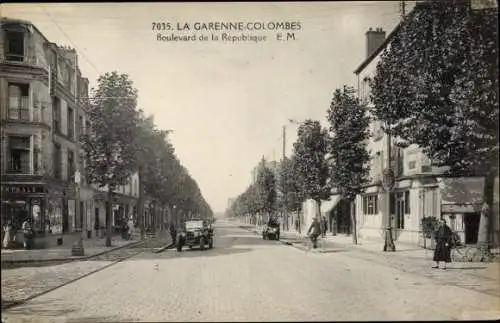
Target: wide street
pixel 245 278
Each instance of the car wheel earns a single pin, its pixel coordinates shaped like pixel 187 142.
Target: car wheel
pixel 202 243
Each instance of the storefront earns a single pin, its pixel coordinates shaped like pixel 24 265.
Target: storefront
pixel 461 200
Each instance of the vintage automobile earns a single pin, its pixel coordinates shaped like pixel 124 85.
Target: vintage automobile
pixel 271 230
pixel 195 233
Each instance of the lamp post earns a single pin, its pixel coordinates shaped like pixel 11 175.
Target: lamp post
pixel 77 249
pixel 388 183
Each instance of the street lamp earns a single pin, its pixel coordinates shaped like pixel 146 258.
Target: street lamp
pixel 388 180
pixel 77 249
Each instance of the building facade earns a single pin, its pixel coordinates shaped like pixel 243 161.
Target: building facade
pixel 43 112
pixel 421 190
pixel 42 117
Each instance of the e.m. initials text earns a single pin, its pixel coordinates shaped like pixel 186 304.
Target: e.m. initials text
pixel 285 37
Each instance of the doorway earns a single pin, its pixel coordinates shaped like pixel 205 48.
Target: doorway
pixel 471 227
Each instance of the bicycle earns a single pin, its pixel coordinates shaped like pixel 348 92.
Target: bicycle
pixel 309 244
pixel 462 253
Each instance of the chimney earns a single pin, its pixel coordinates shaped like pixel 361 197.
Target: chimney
pixel 374 38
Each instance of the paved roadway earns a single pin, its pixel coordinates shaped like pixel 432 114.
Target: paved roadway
pixel 247 279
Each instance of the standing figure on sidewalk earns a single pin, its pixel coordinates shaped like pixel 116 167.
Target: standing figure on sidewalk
pixel 324 226
pixel 444 237
pixel 7 238
pixel 28 233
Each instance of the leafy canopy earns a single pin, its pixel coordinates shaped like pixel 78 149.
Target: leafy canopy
pixel 349 159
pixel 437 85
pixel 109 148
pixel 310 164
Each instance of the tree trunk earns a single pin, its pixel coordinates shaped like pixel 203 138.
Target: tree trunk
pixel 484 232
pixel 140 206
pixel 318 211
pixel 353 223
pixel 109 217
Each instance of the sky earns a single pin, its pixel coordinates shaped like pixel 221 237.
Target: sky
pixel 226 102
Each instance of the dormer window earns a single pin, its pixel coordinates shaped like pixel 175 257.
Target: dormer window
pixel 14 49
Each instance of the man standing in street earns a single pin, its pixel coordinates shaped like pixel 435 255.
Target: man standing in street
pixel 314 231
pixel 173 231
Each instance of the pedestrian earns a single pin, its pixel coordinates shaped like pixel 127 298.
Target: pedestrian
pixel 314 231
pixel 173 232
pixel 27 232
pixel 7 238
pixel 324 226
pixel 444 239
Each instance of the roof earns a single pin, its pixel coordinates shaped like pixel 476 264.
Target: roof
pixel 387 40
pixel 7 20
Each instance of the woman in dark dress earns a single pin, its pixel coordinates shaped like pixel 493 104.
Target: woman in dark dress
pixel 444 239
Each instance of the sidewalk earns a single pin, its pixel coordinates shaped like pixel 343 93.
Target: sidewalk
pixel 406 254
pixel 93 247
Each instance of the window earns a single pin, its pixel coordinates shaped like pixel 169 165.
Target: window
pixel 71 123
pixel 407 202
pixel 56 118
pixel 71 166
pixel 19 101
pixel 412 164
pixel 71 80
pixel 370 204
pixel 19 155
pixel 15 46
pixel 57 161
pixel 80 126
pixel 87 126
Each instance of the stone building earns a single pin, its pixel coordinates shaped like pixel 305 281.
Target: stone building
pixel 42 114
pixel 421 189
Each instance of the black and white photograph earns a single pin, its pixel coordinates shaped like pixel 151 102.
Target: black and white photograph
pixel 249 161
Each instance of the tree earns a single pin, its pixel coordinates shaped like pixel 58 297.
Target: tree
pixel 266 190
pixel 110 150
pixel 437 87
pixel 349 168
pixel 310 164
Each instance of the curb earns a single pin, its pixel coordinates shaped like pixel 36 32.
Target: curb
pixel 165 247
pixel 70 258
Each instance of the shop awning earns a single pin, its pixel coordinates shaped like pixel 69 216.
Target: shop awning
pixel 327 206
pixel 462 190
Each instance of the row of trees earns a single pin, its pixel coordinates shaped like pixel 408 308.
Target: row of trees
pixel 124 141
pixel 322 159
pixel 436 87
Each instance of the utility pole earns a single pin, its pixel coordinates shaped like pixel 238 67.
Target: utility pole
pixel 284 181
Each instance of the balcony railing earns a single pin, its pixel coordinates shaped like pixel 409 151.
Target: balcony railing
pixel 19 114
pixel 18 167
pixel 13 57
